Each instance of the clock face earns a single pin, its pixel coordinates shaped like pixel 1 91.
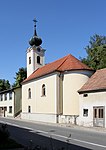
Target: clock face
pixel 38 49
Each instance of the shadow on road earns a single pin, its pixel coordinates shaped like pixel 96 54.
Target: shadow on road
pixel 32 139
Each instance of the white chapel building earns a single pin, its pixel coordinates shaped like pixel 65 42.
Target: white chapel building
pixel 50 92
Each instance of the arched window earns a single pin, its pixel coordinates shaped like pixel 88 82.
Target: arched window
pixel 29 93
pixel 43 90
pixel 29 60
pixel 38 59
pixel 29 109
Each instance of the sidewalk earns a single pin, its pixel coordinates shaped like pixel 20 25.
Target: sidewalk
pixel 98 129
pixel 72 126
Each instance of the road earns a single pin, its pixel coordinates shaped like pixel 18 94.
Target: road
pixel 31 133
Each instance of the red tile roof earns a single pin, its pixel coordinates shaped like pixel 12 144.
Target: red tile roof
pixel 66 63
pixel 97 82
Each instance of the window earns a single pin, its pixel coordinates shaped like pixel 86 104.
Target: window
pixel 95 113
pixel 1 97
pixel 1 108
pixel 85 95
pixel 29 109
pixel 38 59
pixel 43 90
pixel 85 112
pixel 29 93
pixel 10 109
pixel 38 49
pixel 98 112
pixel 29 60
pixel 5 96
pixel 10 95
pixel 5 108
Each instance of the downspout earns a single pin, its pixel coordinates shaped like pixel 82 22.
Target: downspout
pixel 14 104
pixel 59 96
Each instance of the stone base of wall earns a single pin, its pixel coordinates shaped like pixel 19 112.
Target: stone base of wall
pixel 72 119
pixel 51 118
pixel 85 122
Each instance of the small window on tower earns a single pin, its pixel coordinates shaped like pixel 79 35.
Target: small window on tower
pixel 29 93
pixel 38 59
pixel 29 60
pixel 38 49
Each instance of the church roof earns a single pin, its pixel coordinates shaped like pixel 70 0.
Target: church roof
pixel 97 82
pixel 66 63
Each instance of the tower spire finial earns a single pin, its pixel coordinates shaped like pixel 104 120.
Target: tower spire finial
pixel 35 40
pixel 35 21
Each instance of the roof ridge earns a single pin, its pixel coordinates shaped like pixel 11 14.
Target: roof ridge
pixel 63 62
pixel 67 63
pixel 96 82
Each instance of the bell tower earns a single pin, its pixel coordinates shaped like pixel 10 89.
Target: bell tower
pixel 35 53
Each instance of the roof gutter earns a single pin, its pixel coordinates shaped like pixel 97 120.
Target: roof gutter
pixel 92 91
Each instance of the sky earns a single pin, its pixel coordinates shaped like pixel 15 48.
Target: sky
pixel 65 27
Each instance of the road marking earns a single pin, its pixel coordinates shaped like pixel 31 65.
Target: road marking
pixel 90 143
pixel 53 134
pixel 62 136
pixel 38 131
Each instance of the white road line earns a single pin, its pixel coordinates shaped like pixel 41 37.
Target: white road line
pixel 62 136
pixel 90 143
pixel 53 134
pixel 38 131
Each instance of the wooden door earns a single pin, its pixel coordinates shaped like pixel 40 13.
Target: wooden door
pixel 99 116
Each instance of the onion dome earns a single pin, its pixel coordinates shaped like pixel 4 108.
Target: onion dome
pixel 35 40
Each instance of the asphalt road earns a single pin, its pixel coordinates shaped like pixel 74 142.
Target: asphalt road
pixel 54 136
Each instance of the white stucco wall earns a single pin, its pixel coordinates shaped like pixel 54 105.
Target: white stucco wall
pixel 72 82
pixel 94 99
pixel 40 105
pixel 61 98
pixel 7 103
pixel 33 53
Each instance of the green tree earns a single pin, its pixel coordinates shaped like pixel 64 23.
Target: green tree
pixel 96 52
pixel 20 76
pixel 4 85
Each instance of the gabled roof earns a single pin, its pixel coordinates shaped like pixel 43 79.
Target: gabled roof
pixel 97 82
pixel 66 63
pixel 9 90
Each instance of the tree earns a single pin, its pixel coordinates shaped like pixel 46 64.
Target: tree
pixel 20 76
pixel 4 85
pixel 96 52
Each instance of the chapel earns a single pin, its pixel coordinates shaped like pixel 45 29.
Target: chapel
pixel 50 91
